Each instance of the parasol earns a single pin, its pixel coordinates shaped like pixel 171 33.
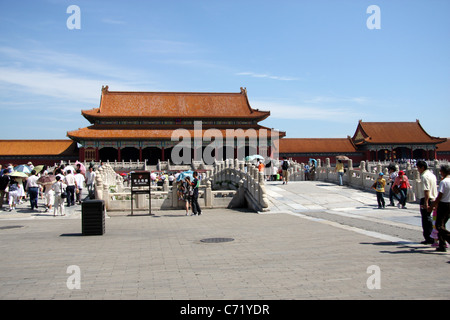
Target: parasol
pixel 82 167
pixel 23 168
pixel 342 158
pixel 254 157
pixel 39 168
pixel 185 174
pixel 47 179
pixel 19 174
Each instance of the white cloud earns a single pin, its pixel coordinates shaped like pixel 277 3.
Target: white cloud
pixel 52 84
pixel 54 60
pixel 64 75
pixel 267 76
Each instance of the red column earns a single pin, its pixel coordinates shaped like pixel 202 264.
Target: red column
pixel 81 154
pixel 140 153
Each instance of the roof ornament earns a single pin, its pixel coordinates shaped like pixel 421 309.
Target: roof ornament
pixel 244 90
pixel 105 89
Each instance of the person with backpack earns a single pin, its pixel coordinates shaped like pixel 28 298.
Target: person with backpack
pixel 379 187
pixel 186 190
pixel 285 172
pixel 196 210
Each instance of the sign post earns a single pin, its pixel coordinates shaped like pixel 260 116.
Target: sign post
pixel 140 184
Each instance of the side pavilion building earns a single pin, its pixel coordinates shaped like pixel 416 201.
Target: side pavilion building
pixel 372 141
pixel 395 140
pixel 148 125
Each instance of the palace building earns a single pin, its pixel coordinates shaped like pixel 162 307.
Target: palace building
pixel 149 126
pixel 142 125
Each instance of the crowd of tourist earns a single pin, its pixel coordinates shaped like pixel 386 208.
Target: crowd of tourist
pixel 434 200
pixel 64 184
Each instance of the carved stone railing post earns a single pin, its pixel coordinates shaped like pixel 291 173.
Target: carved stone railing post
pixel 208 195
pixel 98 187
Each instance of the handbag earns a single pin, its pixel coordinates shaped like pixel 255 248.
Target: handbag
pixel 396 189
pixel 63 193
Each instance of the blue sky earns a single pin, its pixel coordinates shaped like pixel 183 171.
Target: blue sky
pixel 314 64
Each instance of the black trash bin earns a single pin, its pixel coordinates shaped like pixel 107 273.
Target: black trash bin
pixel 93 217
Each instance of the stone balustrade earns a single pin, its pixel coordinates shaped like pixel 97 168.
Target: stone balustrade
pixel 109 187
pixel 246 179
pixel 360 177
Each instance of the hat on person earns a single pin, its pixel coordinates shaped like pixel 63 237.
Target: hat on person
pixel 401 172
pixel 381 174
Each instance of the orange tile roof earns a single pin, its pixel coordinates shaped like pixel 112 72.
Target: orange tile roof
pixel 174 105
pixel 316 145
pixel 392 132
pixel 444 147
pixel 108 132
pixel 36 147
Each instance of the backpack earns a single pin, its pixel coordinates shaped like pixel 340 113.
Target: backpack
pixel 285 165
pixel 13 187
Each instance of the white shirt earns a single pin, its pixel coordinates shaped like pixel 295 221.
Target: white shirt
pixel 444 188
pixel 79 178
pixel 58 187
pixel 70 179
pixel 32 182
pixel 90 177
pixel 393 175
pixel 428 184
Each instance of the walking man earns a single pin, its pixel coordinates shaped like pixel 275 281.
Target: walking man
pixel 442 204
pixel 33 189
pixel 392 176
pixel 90 181
pixel 427 193
pixel 79 179
pixel 71 186
pixel 195 206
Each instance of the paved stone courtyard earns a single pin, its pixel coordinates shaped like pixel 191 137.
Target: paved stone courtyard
pixel 273 256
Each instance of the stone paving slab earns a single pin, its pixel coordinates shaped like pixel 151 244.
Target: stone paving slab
pixel 273 257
